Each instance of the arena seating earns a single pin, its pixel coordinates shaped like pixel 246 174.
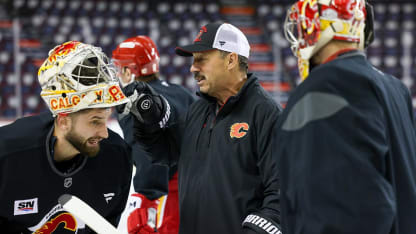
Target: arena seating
pixel 45 23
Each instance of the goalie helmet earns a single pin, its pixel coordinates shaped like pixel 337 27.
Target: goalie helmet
pixel 311 24
pixel 78 76
pixel 139 54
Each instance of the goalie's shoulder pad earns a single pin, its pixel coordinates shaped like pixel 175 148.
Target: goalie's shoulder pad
pixel 261 224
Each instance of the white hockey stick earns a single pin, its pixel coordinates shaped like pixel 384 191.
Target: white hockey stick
pixel 87 214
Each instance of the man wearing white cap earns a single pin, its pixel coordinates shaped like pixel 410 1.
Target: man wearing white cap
pixel 228 180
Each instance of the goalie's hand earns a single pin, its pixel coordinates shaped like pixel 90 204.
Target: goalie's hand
pixel 143 220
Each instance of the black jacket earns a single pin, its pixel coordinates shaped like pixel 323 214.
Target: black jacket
pixel 347 149
pixel 30 183
pixel 150 179
pixel 226 166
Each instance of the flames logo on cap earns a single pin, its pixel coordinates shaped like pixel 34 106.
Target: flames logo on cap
pixel 198 37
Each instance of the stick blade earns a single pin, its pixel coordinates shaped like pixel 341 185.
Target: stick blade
pixel 87 214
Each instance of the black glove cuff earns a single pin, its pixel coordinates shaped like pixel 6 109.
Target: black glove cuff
pixel 153 109
pixel 261 224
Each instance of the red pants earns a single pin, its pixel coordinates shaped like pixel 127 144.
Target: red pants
pixel 168 210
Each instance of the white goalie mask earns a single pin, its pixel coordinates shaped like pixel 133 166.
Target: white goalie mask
pixel 78 76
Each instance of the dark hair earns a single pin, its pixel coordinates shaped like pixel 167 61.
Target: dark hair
pixel 242 61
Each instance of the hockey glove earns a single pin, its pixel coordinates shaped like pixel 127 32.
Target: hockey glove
pixel 150 109
pixel 143 220
pixel 256 223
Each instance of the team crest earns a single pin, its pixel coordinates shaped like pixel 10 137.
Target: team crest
pixel 57 220
pixel 198 37
pixel 239 130
pixel 63 220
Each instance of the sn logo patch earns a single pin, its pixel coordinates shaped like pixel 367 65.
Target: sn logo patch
pixel 29 206
pixel 239 130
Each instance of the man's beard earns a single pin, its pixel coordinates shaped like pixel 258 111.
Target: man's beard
pixel 80 143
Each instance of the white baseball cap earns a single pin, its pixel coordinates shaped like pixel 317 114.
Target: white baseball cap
pixel 221 36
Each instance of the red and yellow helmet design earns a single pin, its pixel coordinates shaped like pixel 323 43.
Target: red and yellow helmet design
pixel 78 76
pixel 311 24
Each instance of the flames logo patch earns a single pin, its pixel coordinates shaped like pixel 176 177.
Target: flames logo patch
pixel 239 130
pixel 69 223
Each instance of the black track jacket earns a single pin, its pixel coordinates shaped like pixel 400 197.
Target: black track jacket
pixel 30 183
pixel 227 169
pixel 347 148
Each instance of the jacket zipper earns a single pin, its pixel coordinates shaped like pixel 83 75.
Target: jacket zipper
pixel 201 130
pixel 211 126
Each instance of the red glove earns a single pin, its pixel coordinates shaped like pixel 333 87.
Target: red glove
pixel 143 219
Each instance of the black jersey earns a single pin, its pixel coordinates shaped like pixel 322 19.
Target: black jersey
pixel 30 183
pixel 347 149
pixel 151 179
pixel 226 167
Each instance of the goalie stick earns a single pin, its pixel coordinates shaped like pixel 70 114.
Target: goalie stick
pixel 87 214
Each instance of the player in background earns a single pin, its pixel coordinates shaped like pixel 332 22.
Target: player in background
pixel 228 179
pixel 155 185
pixel 347 143
pixel 68 150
